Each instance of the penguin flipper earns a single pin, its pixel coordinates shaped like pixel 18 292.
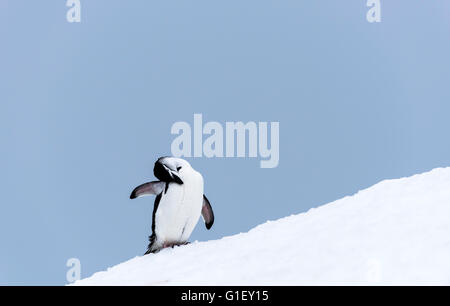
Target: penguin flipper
pixel 149 188
pixel 207 213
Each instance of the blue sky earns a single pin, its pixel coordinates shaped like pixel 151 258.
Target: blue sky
pixel 86 109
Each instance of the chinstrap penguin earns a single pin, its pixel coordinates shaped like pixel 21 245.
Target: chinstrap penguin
pixel 178 205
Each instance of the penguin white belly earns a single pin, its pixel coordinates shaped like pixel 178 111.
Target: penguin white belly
pixel 178 211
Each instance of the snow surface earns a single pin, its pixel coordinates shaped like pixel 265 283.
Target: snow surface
pixel 395 232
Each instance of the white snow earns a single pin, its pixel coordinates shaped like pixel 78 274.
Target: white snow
pixel 395 232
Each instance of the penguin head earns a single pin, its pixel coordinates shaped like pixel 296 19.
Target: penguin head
pixel 171 169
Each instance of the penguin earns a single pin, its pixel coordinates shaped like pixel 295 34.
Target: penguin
pixel 178 204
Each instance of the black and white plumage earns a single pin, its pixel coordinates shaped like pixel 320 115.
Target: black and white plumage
pixel 178 205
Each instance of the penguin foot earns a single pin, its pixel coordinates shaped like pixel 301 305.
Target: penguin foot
pixel 151 250
pixel 179 244
pixel 172 245
pixel 167 245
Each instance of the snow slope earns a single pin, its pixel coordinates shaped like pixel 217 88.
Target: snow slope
pixel 395 232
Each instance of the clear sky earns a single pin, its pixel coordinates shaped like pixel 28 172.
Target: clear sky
pixel 86 108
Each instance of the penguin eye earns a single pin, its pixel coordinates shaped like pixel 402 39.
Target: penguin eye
pixel 178 168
